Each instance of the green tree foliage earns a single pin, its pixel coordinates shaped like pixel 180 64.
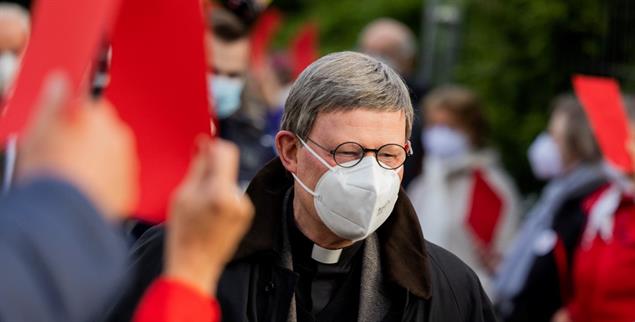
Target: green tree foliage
pixel 517 54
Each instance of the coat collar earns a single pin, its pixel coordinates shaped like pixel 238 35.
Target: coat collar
pixel 403 251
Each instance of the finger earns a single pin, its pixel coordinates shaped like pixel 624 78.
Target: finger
pixel 54 96
pixel 224 162
pixel 199 164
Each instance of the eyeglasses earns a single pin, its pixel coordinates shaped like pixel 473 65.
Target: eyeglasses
pixel 389 156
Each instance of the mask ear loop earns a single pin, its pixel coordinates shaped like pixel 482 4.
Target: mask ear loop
pixel 315 155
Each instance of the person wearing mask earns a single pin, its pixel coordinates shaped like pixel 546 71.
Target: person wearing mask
pixel 63 255
pixel 334 238
pixel 15 27
pixel 602 285
pixel 240 109
pixel 463 182
pixel 393 43
pixel 534 279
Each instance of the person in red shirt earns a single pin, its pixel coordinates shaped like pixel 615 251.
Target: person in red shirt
pixel 603 283
pixel 603 287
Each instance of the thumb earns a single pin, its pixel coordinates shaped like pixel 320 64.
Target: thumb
pixel 53 98
pixel 198 165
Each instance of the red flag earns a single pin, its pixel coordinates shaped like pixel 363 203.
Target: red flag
pixel 65 37
pixel 305 48
pixel 603 105
pixel 159 88
pixel 263 31
pixel 485 209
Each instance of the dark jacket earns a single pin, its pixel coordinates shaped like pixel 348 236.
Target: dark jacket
pixel 60 261
pixel 429 283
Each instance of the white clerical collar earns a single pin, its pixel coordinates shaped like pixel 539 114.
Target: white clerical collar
pixel 326 256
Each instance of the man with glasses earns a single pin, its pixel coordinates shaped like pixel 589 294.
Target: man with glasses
pixel 344 243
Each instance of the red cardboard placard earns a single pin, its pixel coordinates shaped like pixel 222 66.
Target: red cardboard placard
pixel 486 210
pixel 305 48
pixel 158 86
pixel 65 37
pixel 605 110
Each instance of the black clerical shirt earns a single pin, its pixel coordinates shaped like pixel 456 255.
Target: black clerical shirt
pixel 325 292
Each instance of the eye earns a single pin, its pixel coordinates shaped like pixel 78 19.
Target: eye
pixel 387 155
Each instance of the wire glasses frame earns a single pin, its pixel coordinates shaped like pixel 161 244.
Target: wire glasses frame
pixel 349 154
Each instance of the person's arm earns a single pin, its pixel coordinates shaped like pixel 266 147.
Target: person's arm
pixel 61 257
pixel 208 217
pixel 61 260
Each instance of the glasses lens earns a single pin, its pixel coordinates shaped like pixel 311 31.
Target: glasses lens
pixel 391 156
pixel 348 154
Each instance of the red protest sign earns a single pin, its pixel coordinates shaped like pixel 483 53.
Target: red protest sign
pixel 159 88
pixel 605 110
pixel 65 38
pixel 486 210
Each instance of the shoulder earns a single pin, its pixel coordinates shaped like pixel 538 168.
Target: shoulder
pixel 449 269
pixel 456 288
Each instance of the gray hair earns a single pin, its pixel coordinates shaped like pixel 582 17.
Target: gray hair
pixel 344 81
pixel 12 10
pixel 579 138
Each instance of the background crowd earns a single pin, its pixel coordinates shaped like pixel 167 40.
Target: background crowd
pixel 505 171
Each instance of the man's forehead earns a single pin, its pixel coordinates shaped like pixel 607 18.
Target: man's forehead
pixel 365 126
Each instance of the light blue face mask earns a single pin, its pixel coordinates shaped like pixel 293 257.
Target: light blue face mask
pixel 226 93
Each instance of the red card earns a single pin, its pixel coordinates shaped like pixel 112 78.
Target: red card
pixel 485 210
pixel 65 37
pixel 305 48
pixel 158 85
pixel 263 31
pixel 603 105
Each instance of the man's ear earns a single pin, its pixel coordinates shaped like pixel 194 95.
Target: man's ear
pixel 287 146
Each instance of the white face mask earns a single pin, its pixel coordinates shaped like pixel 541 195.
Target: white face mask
pixel 444 143
pixel 545 157
pixel 354 202
pixel 8 68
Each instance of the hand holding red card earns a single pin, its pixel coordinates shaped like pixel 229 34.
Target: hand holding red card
pixel 62 41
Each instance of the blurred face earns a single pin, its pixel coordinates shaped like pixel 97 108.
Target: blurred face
pixel 557 129
pixel 230 59
pixel 383 42
pixel 13 39
pixel 441 117
pixel 13 36
pixel 371 129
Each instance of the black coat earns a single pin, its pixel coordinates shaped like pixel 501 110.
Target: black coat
pixel 427 282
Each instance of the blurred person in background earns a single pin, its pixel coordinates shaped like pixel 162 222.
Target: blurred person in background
pixel 15 28
pixel 602 286
pixel 275 83
pixel 236 98
pixel 457 160
pixel 396 45
pixel 534 279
